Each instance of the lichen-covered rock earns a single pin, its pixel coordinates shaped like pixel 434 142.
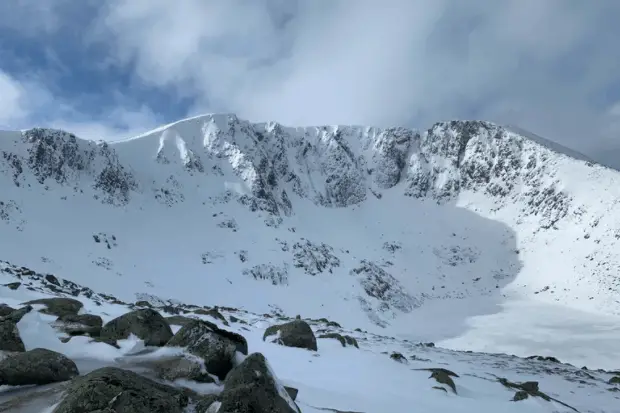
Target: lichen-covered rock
pixel 111 389
pixel 296 333
pixel 252 387
pixel 9 337
pixel 216 347
pixel 58 306
pixel 146 324
pixel 79 324
pixel 38 366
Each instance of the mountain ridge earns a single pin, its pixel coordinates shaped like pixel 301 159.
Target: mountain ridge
pixel 238 171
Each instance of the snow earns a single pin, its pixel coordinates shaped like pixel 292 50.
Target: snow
pixel 487 274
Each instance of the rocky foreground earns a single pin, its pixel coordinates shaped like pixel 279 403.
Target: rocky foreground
pixel 197 359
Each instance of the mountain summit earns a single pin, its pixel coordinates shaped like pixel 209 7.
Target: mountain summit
pixel 370 222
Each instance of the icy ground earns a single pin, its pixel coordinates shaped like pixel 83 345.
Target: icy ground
pixel 335 378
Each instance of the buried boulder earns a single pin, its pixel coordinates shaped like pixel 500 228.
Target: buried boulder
pixel 111 389
pixel 216 347
pixel 253 387
pixel 38 366
pixel 58 306
pixel 146 324
pixel 296 333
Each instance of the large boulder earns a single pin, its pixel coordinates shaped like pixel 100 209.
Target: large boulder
pixel 146 324
pixel 79 324
pixel 296 333
pixel 252 387
pixel 9 337
pixel 111 389
pixel 38 366
pixel 215 346
pixel 58 306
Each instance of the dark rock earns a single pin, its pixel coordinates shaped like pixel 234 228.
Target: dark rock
pixel 296 333
pixel 443 378
pixel 520 395
pixel 292 392
pixel 146 324
pixel 215 346
pixel 212 312
pixel 205 402
pixel 80 324
pixel 113 390
pixel 58 306
pixel 179 320
pixel 614 380
pixel 13 286
pixel 16 315
pixel 252 387
pixel 398 357
pixel 9 337
pixel 38 366
pixel 143 303
pixel 344 340
pixel 5 310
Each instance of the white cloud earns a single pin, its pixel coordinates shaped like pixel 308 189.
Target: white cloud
pixel 370 62
pixel 548 66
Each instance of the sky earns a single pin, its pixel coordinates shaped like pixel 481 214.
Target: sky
pixel 108 70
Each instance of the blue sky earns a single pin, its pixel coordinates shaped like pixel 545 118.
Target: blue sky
pixel 115 68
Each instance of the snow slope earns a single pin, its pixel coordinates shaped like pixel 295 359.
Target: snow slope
pixel 463 225
pixel 333 379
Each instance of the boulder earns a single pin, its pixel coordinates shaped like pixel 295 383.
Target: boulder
pixel 38 366
pixel 344 340
pixel 5 310
pixel 111 389
pixel 58 306
pixel 146 324
pixel 79 324
pixel 16 315
pixel 296 333
pixel 9 337
pixel 215 346
pixel 252 387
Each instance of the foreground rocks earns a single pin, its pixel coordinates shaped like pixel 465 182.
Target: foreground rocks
pixel 58 306
pixel 9 337
pixel 116 390
pixel 252 387
pixel 79 324
pixel 215 346
pixel 38 366
pixel 296 333
pixel 146 324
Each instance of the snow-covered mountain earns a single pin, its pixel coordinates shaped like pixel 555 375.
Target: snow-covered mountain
pixel 421 235
pixel 350 217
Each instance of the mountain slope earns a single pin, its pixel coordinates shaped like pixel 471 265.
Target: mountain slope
pixel 375 224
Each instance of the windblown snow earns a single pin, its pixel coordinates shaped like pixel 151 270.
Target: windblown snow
pixel 468 234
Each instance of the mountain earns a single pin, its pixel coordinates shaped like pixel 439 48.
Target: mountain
pixel 468 234
pixel 358 218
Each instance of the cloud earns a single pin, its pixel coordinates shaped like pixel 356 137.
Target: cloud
pixel 548 66
pixel 368 62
